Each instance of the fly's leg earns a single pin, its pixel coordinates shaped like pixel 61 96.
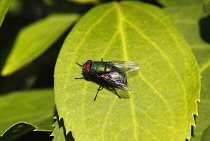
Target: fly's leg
pixel 99 89
pixel 116 92
pixel 80 78
pixel 80 66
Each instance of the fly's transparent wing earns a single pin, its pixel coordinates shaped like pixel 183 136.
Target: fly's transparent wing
pixel 117 79
pixel 124 66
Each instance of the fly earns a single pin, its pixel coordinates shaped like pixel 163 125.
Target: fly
pixel 111 73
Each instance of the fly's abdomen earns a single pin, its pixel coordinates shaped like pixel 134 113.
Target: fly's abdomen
pixel 100 67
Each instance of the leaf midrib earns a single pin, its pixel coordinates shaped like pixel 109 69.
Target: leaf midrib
pixel 120 18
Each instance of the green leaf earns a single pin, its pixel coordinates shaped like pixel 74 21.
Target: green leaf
pixel 162 101
pixel 34 107
pixel 85 1
pixel 59 132
pixel 36 38
pixel 206 6
pixel 4 6
pixel 16 131
pixel 194 24
pixel 190 24
pixel 206 135
pixel 185 3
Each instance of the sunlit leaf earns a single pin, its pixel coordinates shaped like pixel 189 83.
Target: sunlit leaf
pixel 194 24
pixel 164 90
pixel 185 3
pixel 85 1
pixel 34 107
pixel 4 6
pixel 36 38
pixel 59 132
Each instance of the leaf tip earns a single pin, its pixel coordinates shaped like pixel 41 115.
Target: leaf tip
pixel 6 71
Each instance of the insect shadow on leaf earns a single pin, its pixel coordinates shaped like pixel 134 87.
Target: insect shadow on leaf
pixel 102 84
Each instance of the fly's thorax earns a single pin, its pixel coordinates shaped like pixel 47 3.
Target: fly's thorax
pixel 101 67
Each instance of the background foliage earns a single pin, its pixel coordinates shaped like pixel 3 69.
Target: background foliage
pixel 32 33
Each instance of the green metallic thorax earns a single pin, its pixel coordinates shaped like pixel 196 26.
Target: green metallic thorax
pixel 99 67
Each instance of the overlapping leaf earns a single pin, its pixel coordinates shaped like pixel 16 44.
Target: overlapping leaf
pixel 4 6
pixel 30 107
pixel 33 40
pixel 194 24
pixel 85 1
pixel 58 133
pixel 16 131
pixel 164 90
pixel 179 2
pixel 206 6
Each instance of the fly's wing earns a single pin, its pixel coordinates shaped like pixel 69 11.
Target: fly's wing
pixel 124 66
pixel 117 79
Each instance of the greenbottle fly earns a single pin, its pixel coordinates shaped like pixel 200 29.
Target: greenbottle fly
pixel 110 73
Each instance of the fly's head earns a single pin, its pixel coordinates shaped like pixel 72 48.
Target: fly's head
pixel 86 70
pixel 87 66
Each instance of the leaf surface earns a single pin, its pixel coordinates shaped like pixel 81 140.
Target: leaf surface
pixel 36 38
pixel 58 133
pixel 161 103
pixel 206 6
pixel 4 6
pixel 16 131
pixel 194 25
pixel 34 107
pixel 185 3
pixel 85 1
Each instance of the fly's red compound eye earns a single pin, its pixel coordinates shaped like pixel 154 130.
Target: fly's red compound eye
pixel 88 61
pixel 86 66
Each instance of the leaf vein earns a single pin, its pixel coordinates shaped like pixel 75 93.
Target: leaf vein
pixel 120 18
